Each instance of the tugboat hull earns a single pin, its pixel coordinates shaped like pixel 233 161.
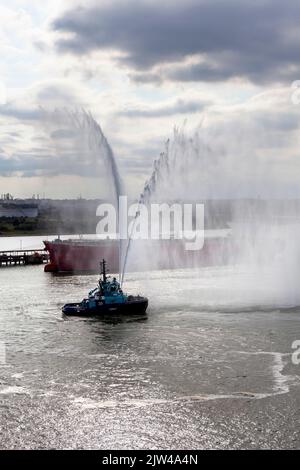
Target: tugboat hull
pixel 131 307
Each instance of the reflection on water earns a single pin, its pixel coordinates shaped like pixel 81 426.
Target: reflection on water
pixel 202 369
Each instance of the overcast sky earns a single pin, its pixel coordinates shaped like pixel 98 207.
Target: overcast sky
pixel 142 67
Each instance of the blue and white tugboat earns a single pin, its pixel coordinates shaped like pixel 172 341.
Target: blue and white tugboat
pixel 107 298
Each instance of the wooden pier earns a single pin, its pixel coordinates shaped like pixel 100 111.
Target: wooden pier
pixel 19 257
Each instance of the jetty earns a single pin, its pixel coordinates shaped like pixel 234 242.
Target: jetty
pixel 23 257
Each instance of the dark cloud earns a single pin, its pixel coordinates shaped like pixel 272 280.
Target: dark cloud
pixel 221 67
pixel 253 39
pixel 179 107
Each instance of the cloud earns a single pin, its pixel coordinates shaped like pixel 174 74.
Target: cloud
pixel 49 164
pixel 32 104
pixel 257 136
pixel 56 142
pixel 180 106
pixel 254 40
pixel 247 150
pixel 25 165
pixel 11 110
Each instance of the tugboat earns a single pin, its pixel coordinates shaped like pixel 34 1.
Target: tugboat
pixel 107 298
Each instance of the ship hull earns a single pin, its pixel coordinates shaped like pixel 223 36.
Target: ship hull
pixel 84 256
pixel 134 307
pixel 79 257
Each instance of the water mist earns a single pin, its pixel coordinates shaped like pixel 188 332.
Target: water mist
pixel 258 260
pixel 80 139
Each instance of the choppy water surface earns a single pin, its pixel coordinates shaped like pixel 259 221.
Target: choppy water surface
pixel 206 368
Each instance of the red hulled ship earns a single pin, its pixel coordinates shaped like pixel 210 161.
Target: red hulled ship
pixel 83 255
pixel 80 255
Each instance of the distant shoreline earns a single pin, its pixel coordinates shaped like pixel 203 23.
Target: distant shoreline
pixel 17 233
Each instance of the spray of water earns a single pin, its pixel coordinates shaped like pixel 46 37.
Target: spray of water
pixel 88 151
pixel 198 167
pixel 263 250
pixel 89 137
pixel 175 177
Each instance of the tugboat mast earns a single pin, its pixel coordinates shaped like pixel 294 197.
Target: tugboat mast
pixel 103 269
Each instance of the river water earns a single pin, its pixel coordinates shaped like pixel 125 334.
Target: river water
pixel 203 369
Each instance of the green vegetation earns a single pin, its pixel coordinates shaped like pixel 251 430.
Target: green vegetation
pixel 10 225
